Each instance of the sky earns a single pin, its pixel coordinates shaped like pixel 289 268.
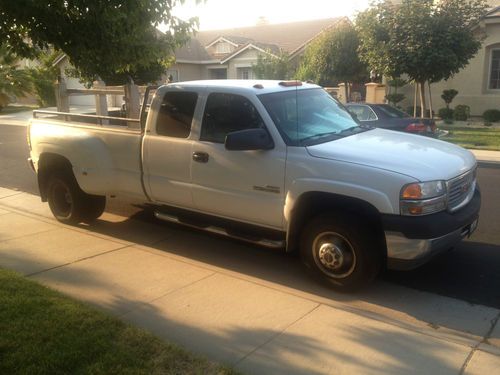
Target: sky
pixel 223 14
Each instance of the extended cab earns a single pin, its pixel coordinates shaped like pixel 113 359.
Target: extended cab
pixel 279 164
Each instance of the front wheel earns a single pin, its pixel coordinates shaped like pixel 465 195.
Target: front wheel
pixel 340 250
pixel 70 204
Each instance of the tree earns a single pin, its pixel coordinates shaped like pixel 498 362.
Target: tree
pixel 110 39
pixel 448 96
pixel 13 81
pixel 394 97
pixel 273 67
pixel 333 58
pixel 43 76
pixel 426 40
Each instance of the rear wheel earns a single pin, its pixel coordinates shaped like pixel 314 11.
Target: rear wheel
pixel 70 204
pixel 341 251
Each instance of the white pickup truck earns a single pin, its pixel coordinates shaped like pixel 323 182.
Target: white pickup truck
pixel 279 164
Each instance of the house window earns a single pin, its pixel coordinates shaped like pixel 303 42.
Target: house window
pixel 222 47
pixel 495 70
pixel 244 73
pixel 218 73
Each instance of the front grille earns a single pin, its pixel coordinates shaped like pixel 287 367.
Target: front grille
pixel 461 190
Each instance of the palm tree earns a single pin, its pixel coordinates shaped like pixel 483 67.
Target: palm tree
pixel 13 81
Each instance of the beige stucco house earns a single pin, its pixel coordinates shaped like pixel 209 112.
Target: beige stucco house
pixel 478 84
pixel 230 53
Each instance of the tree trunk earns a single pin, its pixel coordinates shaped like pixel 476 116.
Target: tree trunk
pixel 346 89
pixel 430 100
pixel 415 100
pixel 422 99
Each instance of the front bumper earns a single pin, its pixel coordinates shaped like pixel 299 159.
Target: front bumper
pixel 412 241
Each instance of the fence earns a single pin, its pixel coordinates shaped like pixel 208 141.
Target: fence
pixel 131 93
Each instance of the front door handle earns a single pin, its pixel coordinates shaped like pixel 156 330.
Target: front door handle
pixel 200 157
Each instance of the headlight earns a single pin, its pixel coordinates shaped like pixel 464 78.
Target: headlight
pixel 423 198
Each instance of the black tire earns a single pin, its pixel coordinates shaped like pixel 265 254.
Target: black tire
pixel 341 250
pixel 70 204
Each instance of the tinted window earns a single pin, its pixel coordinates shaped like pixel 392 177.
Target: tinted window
pixel 392 112
pixel 176 114
pixel 225 113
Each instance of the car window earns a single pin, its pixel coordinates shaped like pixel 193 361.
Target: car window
pixel 392 112
pixel 226 113
pixel 309 116
pixel 176 114
pixel 362 112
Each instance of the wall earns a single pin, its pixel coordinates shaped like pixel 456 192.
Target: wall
pixel 243 60
pixel 471 82
pixel 188 72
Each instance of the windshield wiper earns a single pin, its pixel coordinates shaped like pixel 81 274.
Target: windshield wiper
pixel 352 128
pixel 320 135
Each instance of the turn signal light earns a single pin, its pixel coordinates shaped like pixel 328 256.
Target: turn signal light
pixel 413 191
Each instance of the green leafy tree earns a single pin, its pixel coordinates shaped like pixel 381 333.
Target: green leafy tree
pixel 44 76
pixel 427 40
pixel 110 39
pixel 13 81
pixel 333 58
pixel 273 67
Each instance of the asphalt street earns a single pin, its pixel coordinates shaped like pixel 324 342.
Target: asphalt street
pixel 470 272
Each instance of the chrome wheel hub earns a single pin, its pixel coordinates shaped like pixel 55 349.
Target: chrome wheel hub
pixel 331 256
pixel 334 255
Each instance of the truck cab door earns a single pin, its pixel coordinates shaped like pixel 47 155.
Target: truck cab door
pixel 167 149
pixel 246 186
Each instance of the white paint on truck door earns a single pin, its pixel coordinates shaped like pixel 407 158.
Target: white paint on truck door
pixel 167 150
pixel 244 185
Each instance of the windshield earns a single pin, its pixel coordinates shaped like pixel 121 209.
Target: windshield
pixel 392 112
pixel 306 117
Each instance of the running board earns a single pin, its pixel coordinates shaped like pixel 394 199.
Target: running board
pixel 273 244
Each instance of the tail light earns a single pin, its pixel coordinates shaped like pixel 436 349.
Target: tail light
pixel 416 128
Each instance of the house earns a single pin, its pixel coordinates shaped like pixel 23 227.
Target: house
pixel 230 53
pixel 478 84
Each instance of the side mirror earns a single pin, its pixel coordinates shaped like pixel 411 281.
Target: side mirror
pixel 249 139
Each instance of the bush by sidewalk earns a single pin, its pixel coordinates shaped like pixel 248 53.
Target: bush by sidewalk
pixel 43 332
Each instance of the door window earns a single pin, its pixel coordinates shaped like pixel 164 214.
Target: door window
pixel 225 113
pixel 176 114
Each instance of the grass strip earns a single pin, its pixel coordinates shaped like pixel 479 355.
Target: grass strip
pixel 44 332
pixel 475 138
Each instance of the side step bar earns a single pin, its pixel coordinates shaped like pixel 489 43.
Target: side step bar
pixel 273 244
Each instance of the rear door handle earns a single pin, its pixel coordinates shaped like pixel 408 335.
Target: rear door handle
pixel 200 157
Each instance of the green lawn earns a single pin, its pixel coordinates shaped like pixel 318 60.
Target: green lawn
pixel 16 108
pixel 483 138
pixel 43 332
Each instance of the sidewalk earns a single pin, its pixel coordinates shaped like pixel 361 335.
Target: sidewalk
pixel 22 118
pixel 253 309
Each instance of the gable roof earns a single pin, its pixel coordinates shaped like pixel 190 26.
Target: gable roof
pixel 287 37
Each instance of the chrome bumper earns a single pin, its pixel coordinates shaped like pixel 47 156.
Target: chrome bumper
pixel 404 253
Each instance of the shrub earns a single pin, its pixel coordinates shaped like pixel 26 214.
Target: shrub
pixel 43 83
pixel 395 98
pixel 446 113
pixel 462 112
pixel 491 115
pixel 448 96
